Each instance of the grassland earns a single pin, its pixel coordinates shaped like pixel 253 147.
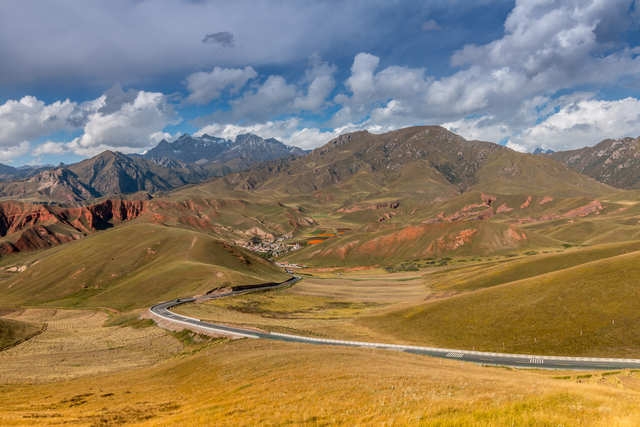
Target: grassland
pixel 321 306
pixel 78 343
pixel 115 368
pixel 590 309
pixel 131 266
pixel 486 273
pixel 100 366
pixel 249 382
pixel 579 301
pixel 13 332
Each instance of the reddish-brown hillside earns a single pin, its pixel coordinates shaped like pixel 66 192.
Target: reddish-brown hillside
pixel 28 226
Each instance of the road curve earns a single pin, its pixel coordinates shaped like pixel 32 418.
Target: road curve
pixel 162 311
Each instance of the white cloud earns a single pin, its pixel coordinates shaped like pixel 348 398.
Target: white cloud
pixel 361 83
pixel 9 153
pixel 204 87
pixel 50 147
pixel 547 46
pixel 271 98
pixel 393 94
pixel 30 118
pixel 482 128
pixel 319 78
pixel 131 128
pixel 289 131
pixel 276 96
pixel 582 123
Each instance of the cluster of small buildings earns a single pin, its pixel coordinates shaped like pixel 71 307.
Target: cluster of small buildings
pixel 274 248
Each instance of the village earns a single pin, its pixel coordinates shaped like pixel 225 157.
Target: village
pixel 271 248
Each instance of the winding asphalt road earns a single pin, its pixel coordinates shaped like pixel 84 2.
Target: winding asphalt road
pixel 162 311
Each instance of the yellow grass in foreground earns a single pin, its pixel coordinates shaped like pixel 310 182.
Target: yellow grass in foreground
pixel 250 382
pixel 76 343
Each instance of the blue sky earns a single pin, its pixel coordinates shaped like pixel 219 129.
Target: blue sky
pixel 77 78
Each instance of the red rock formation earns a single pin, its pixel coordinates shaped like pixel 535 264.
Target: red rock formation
pixel 515 235
pixel 28 226
pixel 451 242
pixel 503 208
pixel 474 211
pixel 593 207
pixel 545 200
pixel 16 216
pixel 526 203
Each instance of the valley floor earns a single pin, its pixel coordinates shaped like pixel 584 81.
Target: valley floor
pixel 103 367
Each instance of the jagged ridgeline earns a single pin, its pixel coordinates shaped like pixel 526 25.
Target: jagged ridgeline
pixel 613 161
pixel 362 198
pixel 169 165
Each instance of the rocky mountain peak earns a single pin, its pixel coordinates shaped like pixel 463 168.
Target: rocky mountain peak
pixel 613 161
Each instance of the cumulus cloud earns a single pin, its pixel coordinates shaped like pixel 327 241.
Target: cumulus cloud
pixel 290 131
pixel 223 38
pixel 125 120
pixel 395 88
pixel 11 152
pixel 204 87
pixel 582 123
pixel 483 128
pixel 30 118
pixel 271 98
pixel 320 81
pixel 547 46
pixel 131 128
pixel 502 87
pixel 276 96
pixel 50 147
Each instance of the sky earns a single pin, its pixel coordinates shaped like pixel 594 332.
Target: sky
pixel 81 77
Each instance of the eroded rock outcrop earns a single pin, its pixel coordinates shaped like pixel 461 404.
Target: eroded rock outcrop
pixel 28 226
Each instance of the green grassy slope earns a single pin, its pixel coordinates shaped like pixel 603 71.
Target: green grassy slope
pixel 491 274
pixel 509 172
pixel 591 309
pixel 132 266
pixel 13 332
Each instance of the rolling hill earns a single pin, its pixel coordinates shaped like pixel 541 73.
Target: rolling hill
pixel 414 193
pixel 585 310
pixel 131 266
pixel 428 162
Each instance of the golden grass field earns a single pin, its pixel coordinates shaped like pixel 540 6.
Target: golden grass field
pixel 249 382
pixel 106 367
pixel 77 343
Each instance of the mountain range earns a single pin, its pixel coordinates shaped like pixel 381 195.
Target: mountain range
pixel 372 198
pixel 188 160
